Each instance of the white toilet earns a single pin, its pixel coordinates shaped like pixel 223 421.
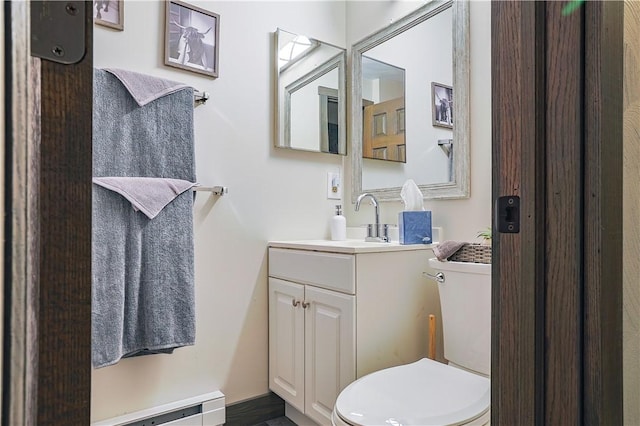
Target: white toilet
pixel 428 392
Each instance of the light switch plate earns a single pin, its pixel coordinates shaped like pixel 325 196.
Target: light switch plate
pixel 334 186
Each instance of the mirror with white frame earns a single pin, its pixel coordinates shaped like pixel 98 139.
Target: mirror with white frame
pixel 431 45
pixel 311 94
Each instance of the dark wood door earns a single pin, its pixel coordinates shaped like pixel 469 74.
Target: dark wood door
pixel 47 280
pixel 557 144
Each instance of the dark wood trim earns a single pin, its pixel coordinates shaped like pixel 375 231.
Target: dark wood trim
pixel 557 143
pixel 64 323
pixel 255 410
pixel 564 216
pixel 517 158
pixel 602 345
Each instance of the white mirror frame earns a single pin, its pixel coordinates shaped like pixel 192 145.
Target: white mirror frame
pixel 459 188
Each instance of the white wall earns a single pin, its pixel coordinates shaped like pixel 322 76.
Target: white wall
pixel 273 193
pixel 460 219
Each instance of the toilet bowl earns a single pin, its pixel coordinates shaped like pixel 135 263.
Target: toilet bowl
pixel 428 392
pixel 425 392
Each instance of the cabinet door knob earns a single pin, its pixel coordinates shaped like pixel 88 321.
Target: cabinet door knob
pixel 295 302
pixel 305 305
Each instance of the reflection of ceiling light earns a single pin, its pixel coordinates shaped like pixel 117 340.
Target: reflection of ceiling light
pixel 294 48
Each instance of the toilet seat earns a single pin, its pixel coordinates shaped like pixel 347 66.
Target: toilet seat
pixel 425 392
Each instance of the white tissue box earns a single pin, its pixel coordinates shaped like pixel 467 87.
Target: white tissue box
pixel 414 227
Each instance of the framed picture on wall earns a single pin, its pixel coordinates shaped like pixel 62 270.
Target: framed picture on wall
pixel 442 105
pixel 191 38
pixel 109 13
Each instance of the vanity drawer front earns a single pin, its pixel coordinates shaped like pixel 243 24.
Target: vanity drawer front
pixel 332 271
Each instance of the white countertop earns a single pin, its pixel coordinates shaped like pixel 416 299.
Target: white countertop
pixel 349 246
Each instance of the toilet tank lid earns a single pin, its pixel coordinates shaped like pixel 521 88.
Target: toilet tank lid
pixel 467 267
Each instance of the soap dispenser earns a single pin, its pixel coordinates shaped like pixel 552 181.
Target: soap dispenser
pixel 338 225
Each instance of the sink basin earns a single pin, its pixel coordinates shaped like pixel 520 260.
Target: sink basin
pixel 349 246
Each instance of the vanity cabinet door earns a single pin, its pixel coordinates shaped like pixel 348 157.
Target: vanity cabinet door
pixel 329 350
pixel 286 341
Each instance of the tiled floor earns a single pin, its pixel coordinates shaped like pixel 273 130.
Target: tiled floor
pixel 280 421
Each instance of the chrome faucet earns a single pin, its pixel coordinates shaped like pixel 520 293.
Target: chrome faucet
pixel 374 232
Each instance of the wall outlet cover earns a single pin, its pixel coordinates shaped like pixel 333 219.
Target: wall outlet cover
pixel 334 186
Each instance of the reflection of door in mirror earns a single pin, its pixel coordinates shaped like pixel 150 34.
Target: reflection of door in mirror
pixel 383 131
pixel 328 119
pixel 383 136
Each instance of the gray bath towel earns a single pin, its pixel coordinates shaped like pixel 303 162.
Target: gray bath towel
pixel 143 280
pixel 145 88
pixel 148 195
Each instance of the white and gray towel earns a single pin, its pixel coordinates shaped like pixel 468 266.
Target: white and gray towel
pixel 145 88
pixel 148 195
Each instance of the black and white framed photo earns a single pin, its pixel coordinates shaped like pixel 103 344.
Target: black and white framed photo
pixel 109 13
pixel 442 105
pixel 191 38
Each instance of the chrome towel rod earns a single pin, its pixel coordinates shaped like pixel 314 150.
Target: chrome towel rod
pixel 200 97
pixel 215 190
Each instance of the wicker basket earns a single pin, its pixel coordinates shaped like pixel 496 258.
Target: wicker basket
pixel 474 253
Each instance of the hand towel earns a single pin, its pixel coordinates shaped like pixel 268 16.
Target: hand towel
pixel 148 195
pixel 446 249
pixel 145 88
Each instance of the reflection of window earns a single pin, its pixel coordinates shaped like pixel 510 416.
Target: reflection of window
pixel 294 50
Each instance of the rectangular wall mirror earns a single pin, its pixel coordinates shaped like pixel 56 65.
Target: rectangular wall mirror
pixel 311 93
pixel 410 107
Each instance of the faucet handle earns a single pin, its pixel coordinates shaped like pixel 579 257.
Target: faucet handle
pixel 383 232
pixel 372 232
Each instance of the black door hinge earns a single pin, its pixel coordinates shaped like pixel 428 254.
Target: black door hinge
pixel 58 30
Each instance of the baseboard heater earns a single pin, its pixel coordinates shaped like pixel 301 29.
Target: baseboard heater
pixel 202 410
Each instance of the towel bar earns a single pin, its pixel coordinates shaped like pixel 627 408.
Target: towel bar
pixel 215 190
pixel 200 97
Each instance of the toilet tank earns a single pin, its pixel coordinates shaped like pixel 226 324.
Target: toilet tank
pixel 465 300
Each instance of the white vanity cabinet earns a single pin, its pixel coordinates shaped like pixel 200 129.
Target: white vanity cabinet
pixel 340 310
pixel 311 348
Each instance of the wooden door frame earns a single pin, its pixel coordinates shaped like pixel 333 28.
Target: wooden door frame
pixel 557 144
pixel 47 274
pixel 603 243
